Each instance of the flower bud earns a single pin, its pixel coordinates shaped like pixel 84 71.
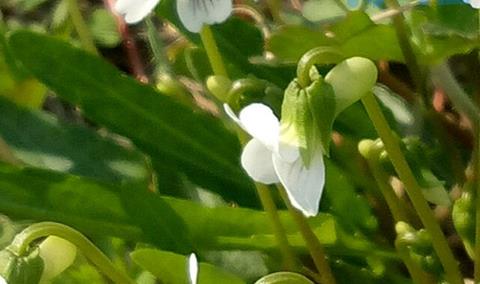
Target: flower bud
pixel 57 254
pixel 351 80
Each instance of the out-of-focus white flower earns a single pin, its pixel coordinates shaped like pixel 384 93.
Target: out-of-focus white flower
pixel 192 266
pixel 135 10
pixel 266 162
pixel 193 13
pixel 474 3
pixel 2 280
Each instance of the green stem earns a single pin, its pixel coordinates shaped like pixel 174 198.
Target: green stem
pixel 23 240
pixel 212 51
pixel 403 35
pixel 81 27
pixel 382 179
pixel 275 8
pixel 289 260
pixel 476 160
pixel 413 189
pixel 311 241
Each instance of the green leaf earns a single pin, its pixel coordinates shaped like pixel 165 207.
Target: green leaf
pixel 80 202
pixel 172 134
pixel 162 225
pixel 356 35
pixel 40 140
pixel 172 268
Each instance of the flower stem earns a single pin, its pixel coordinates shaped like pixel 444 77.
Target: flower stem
pixel 476 167
pixel 403 35
pixel 413 189
pixel 212 51
pixel 22 241
pixel 275 7
pixel 381 177
pixel 81 27
pixel 312 242
pixel 289 260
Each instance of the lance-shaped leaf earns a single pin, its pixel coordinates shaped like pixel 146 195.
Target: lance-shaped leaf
pixel 175 136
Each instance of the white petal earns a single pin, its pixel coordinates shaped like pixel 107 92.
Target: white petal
pixel 192 269
pixel 2 280
pixel 304 186
pixel 260 122
pixel 289 153
pixel 135 10
pixel 475 4
pixel 195 13
pixel 257 162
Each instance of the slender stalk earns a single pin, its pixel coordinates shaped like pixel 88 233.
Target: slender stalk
pixel 289 260
pixel 398 213
pixel 400 164
pixel 382 178
pixel 129 45
pixel 403 35
pixel 275 8
pixel 22 241
pixel 476 160
pixel 313 245
pixel 213 53
pixel 81 27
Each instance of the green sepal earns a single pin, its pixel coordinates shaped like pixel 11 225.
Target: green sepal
pixel 307 117
pixel 321 100
pixel 21 270
pixel 296 120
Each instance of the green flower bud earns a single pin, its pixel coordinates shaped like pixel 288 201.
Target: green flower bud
pixel 219 86
pixel 57 254
pixel 284 278
pixel 351 80
pixel 463 216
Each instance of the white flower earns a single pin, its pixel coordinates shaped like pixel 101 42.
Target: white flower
pixel 196 13
pixel 192 266
pixel 135 10
pixel 193 13
pixel 266 162
pixel 474 3
pixel 2 280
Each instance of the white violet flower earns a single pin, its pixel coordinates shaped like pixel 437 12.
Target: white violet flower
pixel 192 267
pixel 474 3
pixel 193 13
pixel 268 162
